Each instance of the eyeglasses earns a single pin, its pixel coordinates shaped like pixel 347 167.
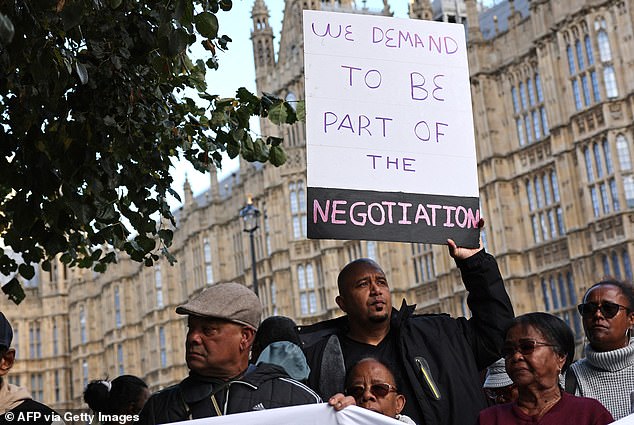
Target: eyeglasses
pixel 502 394
pixel 524 346
pixel 378 390
pixel 607 308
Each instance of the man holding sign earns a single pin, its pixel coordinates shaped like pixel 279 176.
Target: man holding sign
pixel 437 358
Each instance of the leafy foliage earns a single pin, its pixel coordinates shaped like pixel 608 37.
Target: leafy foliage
pixel 93 94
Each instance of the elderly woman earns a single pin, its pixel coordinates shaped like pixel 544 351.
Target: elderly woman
pixel 371 384
pixel 537 349
pixel 607 371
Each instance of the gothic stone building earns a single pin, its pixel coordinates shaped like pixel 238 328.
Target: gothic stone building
pixel 553 110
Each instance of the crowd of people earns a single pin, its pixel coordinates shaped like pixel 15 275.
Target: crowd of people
pixel 417 369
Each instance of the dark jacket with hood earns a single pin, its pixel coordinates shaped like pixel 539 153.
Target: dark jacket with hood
pixel 441 357
pixel 266 386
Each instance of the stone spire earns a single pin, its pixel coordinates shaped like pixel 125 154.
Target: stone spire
pixel 473 21
pixel 262 39
pixel 420 9
pixel 188 202
pixel 214 189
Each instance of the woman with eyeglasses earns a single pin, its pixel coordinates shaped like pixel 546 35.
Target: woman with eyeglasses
pixel 371 384
pixel 607 371
pixel 538 347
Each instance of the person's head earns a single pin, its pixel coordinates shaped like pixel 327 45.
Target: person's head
pixel 364 293
pixel 221 322
pixel 607 314
pixel 373 386
pixel 124 395
pixel 497 384
pixel 537 348
pixel 274 329
pixel 7 354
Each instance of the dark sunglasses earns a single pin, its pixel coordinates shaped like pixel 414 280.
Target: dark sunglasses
pixel 378 390
pixel 524 346
pixel 608 309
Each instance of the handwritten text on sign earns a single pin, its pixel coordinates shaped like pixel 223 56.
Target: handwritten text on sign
pixel 388 106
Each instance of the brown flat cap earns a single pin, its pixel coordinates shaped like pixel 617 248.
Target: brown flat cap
pixel 230 301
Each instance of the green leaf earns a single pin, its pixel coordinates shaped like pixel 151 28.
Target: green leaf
pixel 27 271
pixel 100 267
pixel 14 290
pixel 72 15
pixel 178 41
pixel 207 24
pixel 300 110
pixel 277 156
pixel 166 235
pixel 278 114
pixel 274 141
pixel 146 244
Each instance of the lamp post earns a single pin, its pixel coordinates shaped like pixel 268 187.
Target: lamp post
pixel 250 215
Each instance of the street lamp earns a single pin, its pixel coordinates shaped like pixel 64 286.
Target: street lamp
pixel 250 215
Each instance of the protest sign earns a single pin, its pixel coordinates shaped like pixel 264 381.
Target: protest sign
pixel 390 143
pixel 307 414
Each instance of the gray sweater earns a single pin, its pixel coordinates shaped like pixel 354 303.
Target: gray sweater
pixel 608 377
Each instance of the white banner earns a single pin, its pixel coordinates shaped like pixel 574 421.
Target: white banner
pixel 307 414
pixel 628 420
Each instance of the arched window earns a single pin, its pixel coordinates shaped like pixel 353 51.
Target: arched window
pixel 538 193
pixel 516 104
pixel 627 265
pixel 604 46
pixel 608 156
pixel 615 265
pixel 553 180
pixel 571 60
pixel 291 99
pixel 579 50
pixel 546 295
pixel 623 153
pixel 609 78
pixel 588 43
pixel 589 169
pixel 529 195
pixel 82 325
pixel 597 160
pixel 117 307
pixel 606 265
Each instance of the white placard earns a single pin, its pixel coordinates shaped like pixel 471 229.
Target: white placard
pixel 388 105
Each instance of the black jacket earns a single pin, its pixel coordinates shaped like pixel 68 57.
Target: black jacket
pixel 31 412
pixel 452 351
pixel 267 386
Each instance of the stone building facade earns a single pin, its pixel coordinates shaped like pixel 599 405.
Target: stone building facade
pixel 553 112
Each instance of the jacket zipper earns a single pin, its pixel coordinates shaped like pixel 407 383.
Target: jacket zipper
pixel 429 380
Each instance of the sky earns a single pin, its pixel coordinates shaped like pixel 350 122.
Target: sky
pixel 238 70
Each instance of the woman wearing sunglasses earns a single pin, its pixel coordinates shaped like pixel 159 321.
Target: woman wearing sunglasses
pixel 607 371
pixel 538 347
pixel 371 384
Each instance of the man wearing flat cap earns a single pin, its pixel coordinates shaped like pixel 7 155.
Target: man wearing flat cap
pixel 16 404
pixel 222 321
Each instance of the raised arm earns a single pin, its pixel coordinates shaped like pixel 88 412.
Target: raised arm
pixel 488 301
